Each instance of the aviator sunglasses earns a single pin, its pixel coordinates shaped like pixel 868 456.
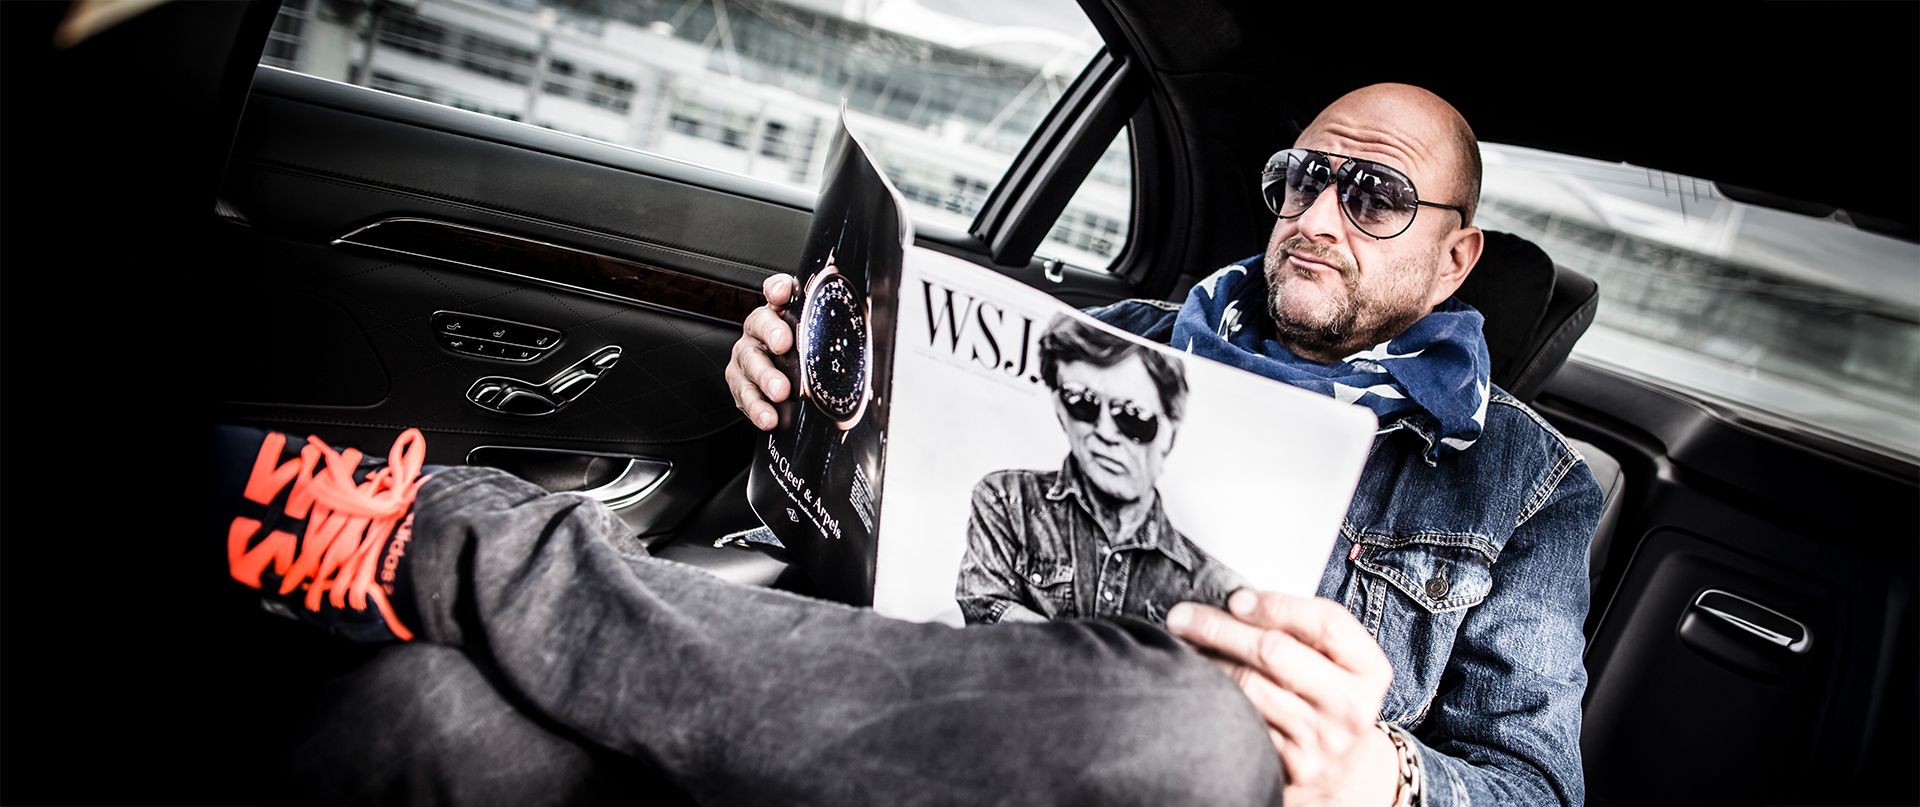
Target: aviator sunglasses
pixel 1133 421
pixel 1377 198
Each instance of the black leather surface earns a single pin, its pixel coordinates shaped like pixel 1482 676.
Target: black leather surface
pixel 667 386
pixel 1613 482
pixel 1511 286
pixel 313 172
pixel 1576 298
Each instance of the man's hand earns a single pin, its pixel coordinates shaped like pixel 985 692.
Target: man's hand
pixel 755 382
pixel 1317 677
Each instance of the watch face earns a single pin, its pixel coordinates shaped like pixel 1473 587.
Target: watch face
pixel 833 347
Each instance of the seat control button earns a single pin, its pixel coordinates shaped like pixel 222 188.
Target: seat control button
pixel 489 395
pixel 498 331
pixel 522 402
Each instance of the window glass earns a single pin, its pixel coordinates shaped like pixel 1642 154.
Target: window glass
pixel 1808 318
pixel 1090 232
pixel 946 92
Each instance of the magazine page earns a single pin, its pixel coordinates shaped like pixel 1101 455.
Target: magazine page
pixel 816 478
pixel 964 448
pixel 1043 465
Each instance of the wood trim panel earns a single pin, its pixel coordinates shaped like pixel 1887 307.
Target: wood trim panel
pixel 594 273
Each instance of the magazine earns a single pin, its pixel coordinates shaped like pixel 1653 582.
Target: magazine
pixel 964 448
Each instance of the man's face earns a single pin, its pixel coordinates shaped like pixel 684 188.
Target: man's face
pixel 1109 452
pixel 1332 289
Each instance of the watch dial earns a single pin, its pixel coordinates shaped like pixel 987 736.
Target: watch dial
pixel 834 338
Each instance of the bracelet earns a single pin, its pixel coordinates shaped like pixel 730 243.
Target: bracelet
pixel 1412 776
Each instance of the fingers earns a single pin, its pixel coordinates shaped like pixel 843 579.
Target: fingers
pixel 778 289
pixel 1275 654
pixel 1321 624
pixel 768 329
pixel 1291 726
pixel 747 395
pixel 1307 738
pixel 752 378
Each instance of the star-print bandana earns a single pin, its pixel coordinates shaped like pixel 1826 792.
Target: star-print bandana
pixel 1433 377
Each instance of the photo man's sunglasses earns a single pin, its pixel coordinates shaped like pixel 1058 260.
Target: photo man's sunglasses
pixel 1134 421
pixel 1377 198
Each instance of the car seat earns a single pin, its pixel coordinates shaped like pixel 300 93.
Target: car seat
pixel 1535 311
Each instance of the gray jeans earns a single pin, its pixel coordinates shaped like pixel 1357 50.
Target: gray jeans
pixel 580 671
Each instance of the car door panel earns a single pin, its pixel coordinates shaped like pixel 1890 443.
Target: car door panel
pixel 346 345
pixel 400 153
pixel 1754 608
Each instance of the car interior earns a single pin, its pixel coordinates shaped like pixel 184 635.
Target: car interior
pixel 192 238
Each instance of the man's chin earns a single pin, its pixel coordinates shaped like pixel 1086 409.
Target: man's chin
pixel 1107 491
pixel 1312 335
pixel 1315 321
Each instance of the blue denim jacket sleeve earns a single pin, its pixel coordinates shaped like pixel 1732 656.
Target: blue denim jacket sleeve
pixel 1504 727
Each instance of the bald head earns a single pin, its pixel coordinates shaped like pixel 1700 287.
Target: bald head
pixel 1415 130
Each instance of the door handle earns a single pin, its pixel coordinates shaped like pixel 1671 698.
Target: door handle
pixel 512 396
pixel 1770 626
pixel 563 471
pixel 1724 627
pixel 635 481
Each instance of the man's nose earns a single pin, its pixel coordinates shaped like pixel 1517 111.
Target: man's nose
pixel 1322 221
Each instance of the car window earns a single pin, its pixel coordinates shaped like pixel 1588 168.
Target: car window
pixel 1811 319
pixel 946 92
pixel 1094 225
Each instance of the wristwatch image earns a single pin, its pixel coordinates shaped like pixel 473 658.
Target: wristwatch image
pixel 835 346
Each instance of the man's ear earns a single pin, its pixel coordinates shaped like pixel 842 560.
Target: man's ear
pixel 1461 251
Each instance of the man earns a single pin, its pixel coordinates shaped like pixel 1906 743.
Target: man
pixel 1424 673
pixel 1090 540
pixel 1353 299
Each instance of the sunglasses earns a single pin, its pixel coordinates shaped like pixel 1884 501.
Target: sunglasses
pixel 1134 422
pixel 1377 198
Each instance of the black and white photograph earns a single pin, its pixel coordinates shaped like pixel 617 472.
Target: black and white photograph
pixel 1090 538
pixel 1042 465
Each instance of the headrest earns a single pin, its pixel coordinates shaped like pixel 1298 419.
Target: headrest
pixel 1535 311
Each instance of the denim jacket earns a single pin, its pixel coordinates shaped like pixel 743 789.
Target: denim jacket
pixel 1471 573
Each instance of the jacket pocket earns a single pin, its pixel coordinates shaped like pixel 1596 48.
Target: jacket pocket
pixel 1051 579
pixel 1418 589
pixel 1439 573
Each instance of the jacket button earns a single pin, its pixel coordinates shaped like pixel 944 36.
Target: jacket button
pixel 1437 587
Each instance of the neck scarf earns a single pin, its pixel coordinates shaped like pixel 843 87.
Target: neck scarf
pixel 1433 378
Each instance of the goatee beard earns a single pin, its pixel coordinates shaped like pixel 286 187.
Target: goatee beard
pixel 1326 338
pixel 1339 335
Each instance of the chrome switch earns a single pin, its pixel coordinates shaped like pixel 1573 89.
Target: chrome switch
pixel 512 396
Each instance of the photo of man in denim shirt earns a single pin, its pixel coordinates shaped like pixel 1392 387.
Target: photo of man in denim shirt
pixel 1092 539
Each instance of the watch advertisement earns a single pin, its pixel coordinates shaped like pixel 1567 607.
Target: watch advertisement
pixel 816 478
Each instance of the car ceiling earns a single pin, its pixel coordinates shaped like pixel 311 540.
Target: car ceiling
pixel 1731 96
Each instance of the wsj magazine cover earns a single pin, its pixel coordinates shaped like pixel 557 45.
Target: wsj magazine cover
pixel 967 449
